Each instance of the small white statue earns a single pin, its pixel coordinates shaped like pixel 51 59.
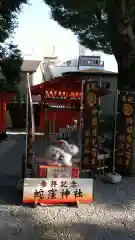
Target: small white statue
pixel 60 153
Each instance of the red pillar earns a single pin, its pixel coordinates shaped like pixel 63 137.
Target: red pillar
pixel 2 116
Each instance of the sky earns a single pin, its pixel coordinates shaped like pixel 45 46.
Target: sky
pixel 38 36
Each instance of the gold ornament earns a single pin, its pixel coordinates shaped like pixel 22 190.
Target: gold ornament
pixel 127 109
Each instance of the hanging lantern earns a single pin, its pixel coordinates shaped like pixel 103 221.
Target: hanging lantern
pixel 51 94
pixel 59 93
pixel 63 94
pixel 55 93
pixel 72 94
pixel 76 95
pixel 47 93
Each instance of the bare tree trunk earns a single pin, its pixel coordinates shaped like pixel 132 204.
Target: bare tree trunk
pixel 126 54
pixel 126 73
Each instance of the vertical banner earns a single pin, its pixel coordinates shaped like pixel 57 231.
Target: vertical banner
pixel 90 123
pixel 30 125
pixel 124 137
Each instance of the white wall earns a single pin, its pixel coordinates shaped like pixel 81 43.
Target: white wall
pixel 107 101
pixel 22 84
pixel 37 76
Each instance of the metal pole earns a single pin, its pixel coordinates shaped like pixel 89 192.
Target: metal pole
pixel 27 118
pixel 30 129
pixel 78 64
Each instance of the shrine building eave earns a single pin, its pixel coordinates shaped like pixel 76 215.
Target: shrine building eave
pixel 7 95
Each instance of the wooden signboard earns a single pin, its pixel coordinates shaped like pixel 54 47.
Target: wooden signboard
pixel 56 190
pixel 90 123
pixel 124 131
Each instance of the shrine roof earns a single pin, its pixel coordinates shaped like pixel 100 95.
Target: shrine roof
pixel 30 65
pixel 69 81
pixel 91 72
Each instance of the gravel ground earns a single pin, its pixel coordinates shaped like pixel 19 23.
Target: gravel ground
pixel 110 216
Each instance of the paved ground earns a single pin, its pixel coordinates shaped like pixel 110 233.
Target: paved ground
pixel 111 216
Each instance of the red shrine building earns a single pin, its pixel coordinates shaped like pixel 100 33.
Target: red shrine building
pixel 5 97
pixel 60 98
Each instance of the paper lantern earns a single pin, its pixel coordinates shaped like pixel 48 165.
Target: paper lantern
pixel 55 93
pixel 64 94
pixel 51 93
pixel 47 93
pixel 72 94
pixel 59 93
pixel 77 94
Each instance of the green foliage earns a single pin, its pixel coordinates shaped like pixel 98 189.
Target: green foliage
pixel 87 19
pixel 10 64
pixel 8 17
pixel 10 55
pixel 102 25
pixel 96 23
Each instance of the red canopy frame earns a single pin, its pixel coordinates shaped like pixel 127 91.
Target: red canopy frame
pixel 65 90
pixel 62 90
pixel 62 83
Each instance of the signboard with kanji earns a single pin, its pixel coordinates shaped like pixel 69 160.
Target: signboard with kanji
pixel 124 130
pixel 90 124
pixel 57 190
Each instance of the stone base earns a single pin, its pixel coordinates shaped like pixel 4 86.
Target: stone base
pixel 113 177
